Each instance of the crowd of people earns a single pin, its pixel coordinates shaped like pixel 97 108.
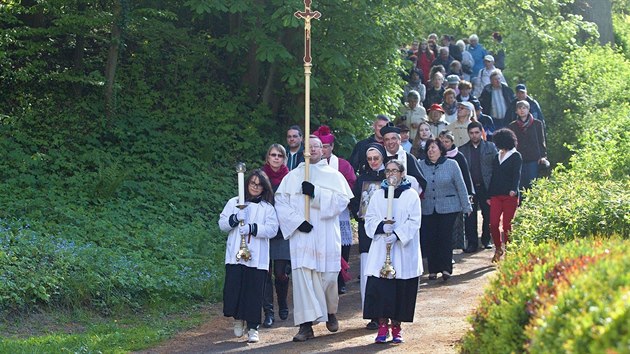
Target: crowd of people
pixel 415 188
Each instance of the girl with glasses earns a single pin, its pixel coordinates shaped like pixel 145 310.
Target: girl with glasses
pixel 245 279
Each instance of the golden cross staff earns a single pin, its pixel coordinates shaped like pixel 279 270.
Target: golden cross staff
pixel 307 15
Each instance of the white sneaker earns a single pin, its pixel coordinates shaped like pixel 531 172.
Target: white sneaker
pixel 239 328
pixel 252 336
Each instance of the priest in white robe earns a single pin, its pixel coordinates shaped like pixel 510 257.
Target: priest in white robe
pixel 315 245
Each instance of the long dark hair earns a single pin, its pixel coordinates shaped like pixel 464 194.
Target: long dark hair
pixel 267 192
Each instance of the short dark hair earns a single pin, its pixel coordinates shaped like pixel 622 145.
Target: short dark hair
pixel 505 139
pixel 296 127
pixel 474 125
pixel 436 142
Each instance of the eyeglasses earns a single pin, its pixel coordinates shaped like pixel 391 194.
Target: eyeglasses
pixel 273 154
pixel 255 185
pixel 389 172
pixel 373 158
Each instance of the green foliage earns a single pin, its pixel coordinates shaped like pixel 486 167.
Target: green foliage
pixel 592 195
pixel 556 297
pixel 48 333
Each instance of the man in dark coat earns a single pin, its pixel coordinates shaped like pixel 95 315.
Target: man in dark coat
pixel 479 154
pixel 391 141
pixel 495 99
pixel 357 158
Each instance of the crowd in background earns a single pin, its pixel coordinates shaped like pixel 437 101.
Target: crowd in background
pixel 463 144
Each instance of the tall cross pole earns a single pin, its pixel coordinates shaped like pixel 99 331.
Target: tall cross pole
pixel 307 15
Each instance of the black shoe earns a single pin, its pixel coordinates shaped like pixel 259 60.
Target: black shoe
pixel 445 275
pixel 305 333
pixel 332 324
pixel 268 320
pixel 372 325
pixel 284 314
pixel 342 290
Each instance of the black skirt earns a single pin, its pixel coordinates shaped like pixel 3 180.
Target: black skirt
pixel 390 298
pixel 243 292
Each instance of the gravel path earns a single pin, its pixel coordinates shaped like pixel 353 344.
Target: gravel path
pixel 439 324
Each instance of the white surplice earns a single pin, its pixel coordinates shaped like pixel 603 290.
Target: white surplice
pixel 318 251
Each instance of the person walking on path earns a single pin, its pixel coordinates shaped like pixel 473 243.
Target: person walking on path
pixel 393 299
pixel 280 258
pixel 315 244
pixel 504 188
pixel 245 277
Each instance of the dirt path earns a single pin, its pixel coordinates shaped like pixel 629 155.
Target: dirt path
pixel 439 323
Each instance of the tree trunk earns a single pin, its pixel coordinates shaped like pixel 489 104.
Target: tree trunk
pixel 600 13
pixel 112 62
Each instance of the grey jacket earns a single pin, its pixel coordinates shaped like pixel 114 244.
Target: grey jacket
pixel 445 192
pixel 487 154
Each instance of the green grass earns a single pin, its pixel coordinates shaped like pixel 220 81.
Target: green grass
pixel 85 332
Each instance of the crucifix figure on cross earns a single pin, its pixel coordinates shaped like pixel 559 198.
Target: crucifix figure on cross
pixel 307 15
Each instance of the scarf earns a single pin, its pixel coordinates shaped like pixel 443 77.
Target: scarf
pixel 449 109
pixel 275 177
pixel 526 124
pixel 452 152
pixel 404 185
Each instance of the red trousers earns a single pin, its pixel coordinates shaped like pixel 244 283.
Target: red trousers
pixel 506 206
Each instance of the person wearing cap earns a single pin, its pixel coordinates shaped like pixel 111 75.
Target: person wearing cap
pixel 485 120
pixel 478 52
pixel 444 58
pixel 412 114
pixel 495 99
pixel 391 139
pixel 530 135
pixel 479 155
pixel 534 107
pixel 489 68
pixel 357 158
pixel 366 184
pixel 452 81
pixel 465 113
pixel 436 121
pixel 404 137
pixel 328 144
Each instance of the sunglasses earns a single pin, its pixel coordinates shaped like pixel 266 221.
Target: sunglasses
pixel 273 154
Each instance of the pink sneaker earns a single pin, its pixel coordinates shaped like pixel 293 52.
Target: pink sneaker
pixel 396 334
pixel 383 333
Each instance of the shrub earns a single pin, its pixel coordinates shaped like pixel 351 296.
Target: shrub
pixel 523 303
pixel 590 196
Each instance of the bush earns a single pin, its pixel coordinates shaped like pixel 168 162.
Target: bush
pixel 592 195
pixel 536 301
